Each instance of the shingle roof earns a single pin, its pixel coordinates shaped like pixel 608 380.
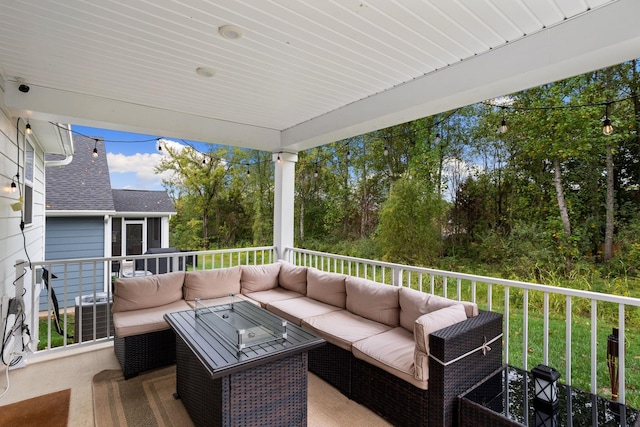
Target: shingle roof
pixel 142 201
pixel 83 184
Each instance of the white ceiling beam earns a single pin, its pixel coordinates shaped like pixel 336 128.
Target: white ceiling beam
pixel 565 50
pixel 43 103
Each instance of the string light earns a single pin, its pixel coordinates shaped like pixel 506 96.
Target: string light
pixel 385 151
pixel 503 125
pixel 279 161
pixel 438 138
pixel 607 128
pixel 13 185
pixel 27 128
pixel 349 155
pixel 95 150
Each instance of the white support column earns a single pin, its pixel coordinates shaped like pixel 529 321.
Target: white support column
pixel 284 196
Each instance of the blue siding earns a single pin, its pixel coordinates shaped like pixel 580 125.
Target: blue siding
pixel 70 238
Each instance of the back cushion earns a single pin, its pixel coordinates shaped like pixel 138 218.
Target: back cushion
pixel 326 287
pixel 434 321
pixel 293 277
pixel 257 278
pixel 437 302
pixel 373 301
pixel 413 304
pixel 216 283
pixel 134 293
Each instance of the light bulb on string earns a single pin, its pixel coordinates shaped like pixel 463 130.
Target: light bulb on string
pixel 503 126
pixel 607 128
pixel 95 150
pixel 349 155
pixel 438 138
pixel 27 128
pixel 385 151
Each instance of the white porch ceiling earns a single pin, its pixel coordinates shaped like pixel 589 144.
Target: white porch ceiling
pixel 305 73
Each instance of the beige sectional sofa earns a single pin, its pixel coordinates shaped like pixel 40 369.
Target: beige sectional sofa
pixel 387 347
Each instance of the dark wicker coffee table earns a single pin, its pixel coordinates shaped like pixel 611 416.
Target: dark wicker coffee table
pixel 259 381
pixel 505 398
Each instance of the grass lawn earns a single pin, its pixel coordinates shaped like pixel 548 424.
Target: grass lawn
pixel 56 339
pixel 580 353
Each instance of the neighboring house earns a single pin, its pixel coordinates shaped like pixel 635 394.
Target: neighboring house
pixel 86 218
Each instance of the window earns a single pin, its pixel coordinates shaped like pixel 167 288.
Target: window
pixel 28 183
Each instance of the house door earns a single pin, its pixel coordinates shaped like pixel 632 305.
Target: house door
pixel 133 242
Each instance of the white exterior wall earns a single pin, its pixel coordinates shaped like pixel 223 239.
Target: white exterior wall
pixel 13 245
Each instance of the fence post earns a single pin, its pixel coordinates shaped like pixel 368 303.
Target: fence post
pixel 396 276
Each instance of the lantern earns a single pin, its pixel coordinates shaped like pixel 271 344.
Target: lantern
pixel 546 386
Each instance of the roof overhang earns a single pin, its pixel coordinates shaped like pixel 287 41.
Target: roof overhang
pixel 284 87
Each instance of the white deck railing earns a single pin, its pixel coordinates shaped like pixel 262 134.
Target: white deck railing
pixel 91 278
pixel 516 300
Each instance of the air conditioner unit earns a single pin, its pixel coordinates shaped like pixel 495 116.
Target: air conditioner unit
pixel 88 306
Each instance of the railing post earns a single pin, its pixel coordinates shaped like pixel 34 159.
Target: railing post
pixel 396 277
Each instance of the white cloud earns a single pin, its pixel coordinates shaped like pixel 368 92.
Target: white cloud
pixel 141 165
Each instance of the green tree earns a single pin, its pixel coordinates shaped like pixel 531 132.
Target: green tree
pixel 409 230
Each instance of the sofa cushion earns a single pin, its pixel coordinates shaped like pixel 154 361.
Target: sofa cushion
pixel 294 310
pixel 392 351
pixel 205 284
pixel 256 278
pixel 326 287
pixel 145 320
pixel 413 304
pixel 342 328
pixel 293 277
pixel 437 302
pixel 271 295
pixel 135 293
pixel 434 321
pixel 373 300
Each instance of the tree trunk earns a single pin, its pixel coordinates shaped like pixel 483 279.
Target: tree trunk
pixel 301 220
pixel 634 86
pixel 562 205
pixel 205 229
pixel 609 226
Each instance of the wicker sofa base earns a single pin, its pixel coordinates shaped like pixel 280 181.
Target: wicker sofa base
pixel 403 404
pixel 333 365
pixel 138 353
pixel 395 400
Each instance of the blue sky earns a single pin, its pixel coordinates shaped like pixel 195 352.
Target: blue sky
pixel 132 156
